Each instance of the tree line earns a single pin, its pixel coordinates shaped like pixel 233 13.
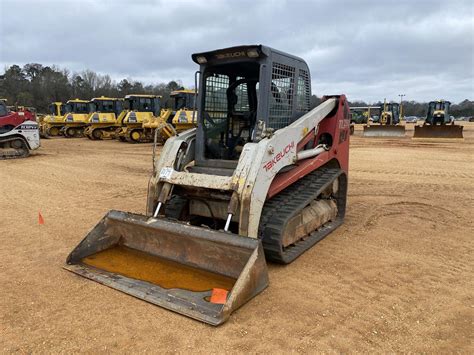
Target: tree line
pixel 37 85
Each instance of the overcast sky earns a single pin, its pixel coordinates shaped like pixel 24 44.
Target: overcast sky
pixel 368 50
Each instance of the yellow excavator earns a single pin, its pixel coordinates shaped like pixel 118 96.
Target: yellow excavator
pixel 106 118
pixel 438 123
pixel 262 178
pixel 76 117
pixel 52 124
pixel 140 109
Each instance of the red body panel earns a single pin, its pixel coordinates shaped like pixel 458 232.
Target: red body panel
pixel 337 126
pixel 14 119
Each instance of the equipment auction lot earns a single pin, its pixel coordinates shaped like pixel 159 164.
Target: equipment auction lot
pixel 397 276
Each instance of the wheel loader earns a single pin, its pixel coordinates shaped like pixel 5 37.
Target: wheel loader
pixel 106 118
pixel 141 110
pixel 75 119
pixel 52 124
pixel 261 178
pixel 438 123
pixel 19 134
pixel 389 123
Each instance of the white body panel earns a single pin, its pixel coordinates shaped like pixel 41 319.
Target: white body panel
pixel 256 168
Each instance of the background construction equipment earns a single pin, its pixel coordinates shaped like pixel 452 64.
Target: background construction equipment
pixel 106 118
pixel 52 124
pixel 389 122
pixel 76 117
pixel 438 123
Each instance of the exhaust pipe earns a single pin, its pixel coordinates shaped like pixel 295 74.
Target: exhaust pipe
pixel 201 273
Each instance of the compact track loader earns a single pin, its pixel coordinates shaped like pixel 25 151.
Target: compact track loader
pixel 261 177
pixel 76 117
pixel 19 134
pixel 438 123
pixel 389 123
pixel 106 118
pixel 52 124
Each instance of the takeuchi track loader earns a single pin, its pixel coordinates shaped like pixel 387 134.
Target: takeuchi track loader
pixel 261 177
pixel 106 118
pixel 19 134
pixel 389 123
pixel 52 124
pixel 438 123
pixel 76 117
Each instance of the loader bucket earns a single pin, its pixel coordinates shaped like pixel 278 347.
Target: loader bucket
pixel 384 131
pixel 438 131
pixel 201 273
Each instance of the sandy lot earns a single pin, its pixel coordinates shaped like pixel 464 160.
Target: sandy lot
pixel 398 276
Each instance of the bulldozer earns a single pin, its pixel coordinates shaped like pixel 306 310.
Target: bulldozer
pixel 141 109
pixel 438 123
pixel 184 109
pixel 76 117
pixel 261 177
pixel 172 121
pixel 52 124
pixel 389 122
pixel 19 134
pixel 106 118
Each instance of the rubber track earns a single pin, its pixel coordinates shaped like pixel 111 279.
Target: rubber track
pixel 18 153
pixel 278 211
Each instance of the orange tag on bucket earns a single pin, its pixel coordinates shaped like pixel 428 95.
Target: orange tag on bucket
pixel 219 295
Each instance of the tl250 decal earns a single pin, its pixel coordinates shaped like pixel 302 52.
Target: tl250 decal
pixel 277 157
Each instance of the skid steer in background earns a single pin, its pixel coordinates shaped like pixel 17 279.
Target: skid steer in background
pixel 438 123
pixel 389 123
pixel 140 109
pixel 105 119
pixel 19 134
pixel 261 176
pixel 52 124
pixel 76 117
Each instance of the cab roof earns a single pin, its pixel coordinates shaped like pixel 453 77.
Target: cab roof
pixel 240 52
pixel 77 101
pixel 185 91
pixel 142 95
pixel 104 98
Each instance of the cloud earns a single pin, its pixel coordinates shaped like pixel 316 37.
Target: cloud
pixel 366 49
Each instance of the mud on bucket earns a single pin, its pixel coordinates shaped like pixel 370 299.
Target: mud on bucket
pixel 201 273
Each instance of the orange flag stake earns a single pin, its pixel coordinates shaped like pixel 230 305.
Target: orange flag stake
pixel 40 218
pixel 219 295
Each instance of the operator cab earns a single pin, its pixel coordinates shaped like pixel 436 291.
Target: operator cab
pixel 438 112
pixel 143 103
pixel 77 106
pixel 183 99
pixel 232 111
pixel 57 109
pixel 107 105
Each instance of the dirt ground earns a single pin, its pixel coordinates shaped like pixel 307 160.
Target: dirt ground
pixel 396 277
